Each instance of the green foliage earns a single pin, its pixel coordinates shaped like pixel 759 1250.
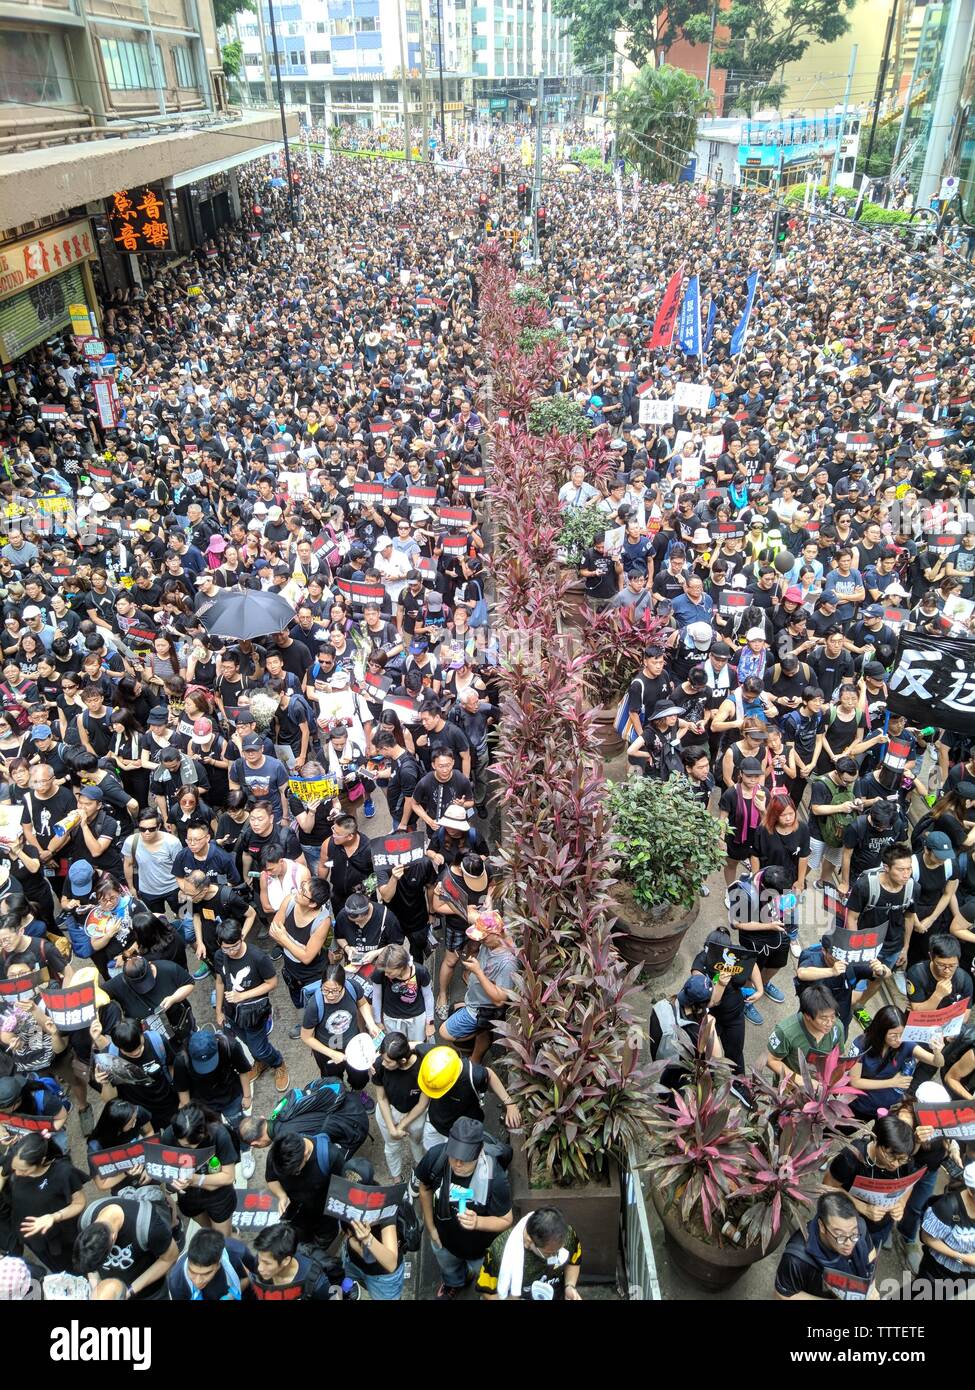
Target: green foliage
pixel 232 57
pixel 657 116
pixel 667 842
pixel 872 214
pixel 224 10
pixel 578 529
pixel 764 35
pixel 529 338
pixel 523 295
pixel 561 413
pixel 651 27
pixel 882 156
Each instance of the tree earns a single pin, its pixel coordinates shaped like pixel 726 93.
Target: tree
pixel 651 27
pixel 756 39
pixel 882 155
pixel 224 10
pixel 232 57
pixel 657 119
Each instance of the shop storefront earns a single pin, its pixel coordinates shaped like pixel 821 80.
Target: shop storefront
pixel 46 287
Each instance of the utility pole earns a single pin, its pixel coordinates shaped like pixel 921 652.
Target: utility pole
pixel 284 123
pixel 835 164
pixel 714 21
pixel 443 118
pixel 404 81
pixel 537 189
pixel 881 80
pixel 901 132
pixel 424 90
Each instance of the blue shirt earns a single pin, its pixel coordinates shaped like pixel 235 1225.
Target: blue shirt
pixel 839 587
pixel 686 612
pixel 876 1068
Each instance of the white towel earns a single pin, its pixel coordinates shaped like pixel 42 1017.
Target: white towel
pixel 512 1270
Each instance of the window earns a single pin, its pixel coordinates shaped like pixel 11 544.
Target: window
pixel 127 66
pixel 367 26
pixel 390 92
pixel 321 27
pixel 183 65
pixel 319 55
pixel 33 67
pixel 341 27
pixel 412 22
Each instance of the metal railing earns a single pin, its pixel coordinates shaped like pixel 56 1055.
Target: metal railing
pixel 642 1284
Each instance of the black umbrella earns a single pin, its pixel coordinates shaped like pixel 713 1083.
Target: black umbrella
pixel 246 613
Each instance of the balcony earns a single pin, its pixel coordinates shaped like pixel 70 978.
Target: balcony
pixel 371 39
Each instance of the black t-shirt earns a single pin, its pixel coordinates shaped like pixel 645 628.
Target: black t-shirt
pixel 852 1162
pixel 217 1089
pixel 409 902
pixel 169 978
pixel 450 736
pixel 434 1171
pixel 128 1257
pixel 321 825
pixel 347 872
pixel 402 1088
pixel 888 911
pixel 783 850
pixel 801 1269
pixel 463 1098
pixel 433 796
pixel 247 972
pixel 110 860
pixel 601 584
pixel 382 929
pixel 40 1196
pixel 868 844
pixel 921 984
pixel 402 998
pixel 44 815
pixel 731 1005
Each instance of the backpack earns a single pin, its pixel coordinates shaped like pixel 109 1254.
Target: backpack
pixel 409 1225
pixel 955 1048
pixel 143 1220
pixel 832 827
pixel 321 1108
pixel 873 891
pixel 154 1041
pixel 668 1022
pixel 621 720
pixel 301 711
pixel 41 1085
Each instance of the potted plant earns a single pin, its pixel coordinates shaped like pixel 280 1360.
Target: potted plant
pixel 615 642
pixel 667 844
pixel 561 413
pixel 729 1180
pixel 579 525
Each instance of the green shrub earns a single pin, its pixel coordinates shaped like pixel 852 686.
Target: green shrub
pixel 581 524
pixel 667 841
pixel 523 295
pixel 529 338
pixel 561 413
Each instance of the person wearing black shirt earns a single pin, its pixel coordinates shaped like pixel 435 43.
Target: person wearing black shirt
pixel 362 929
pixel 397 772
pixel 728 1004
pixel 890 1153
pixel 400 1104
pixel 127 1240
pixel 215 1071
pixel 245 977
pixel 833 1257
pixel 436 792
pixel 145 989
pixel 600 572
pixel 460 1240
pixel 864 842
pixel 97 837
pixel 346 861
pixel 404 889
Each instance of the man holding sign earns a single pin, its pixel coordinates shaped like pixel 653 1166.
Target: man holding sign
pixel 878 1173
pixel 833 1258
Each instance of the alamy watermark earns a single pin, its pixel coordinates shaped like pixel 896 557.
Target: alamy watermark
pixel 77 1342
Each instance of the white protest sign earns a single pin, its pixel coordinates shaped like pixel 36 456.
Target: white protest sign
pixel 656 412
pixel 692 395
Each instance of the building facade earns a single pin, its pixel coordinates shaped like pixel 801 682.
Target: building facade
pixel 347 61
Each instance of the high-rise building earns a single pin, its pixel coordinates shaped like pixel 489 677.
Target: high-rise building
pixel 343 61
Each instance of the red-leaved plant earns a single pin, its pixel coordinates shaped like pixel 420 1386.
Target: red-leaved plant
pixel 743 1172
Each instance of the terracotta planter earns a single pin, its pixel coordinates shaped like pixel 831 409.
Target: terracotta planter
pixel 575 601
pixel 652 942
pixel 610 743
pixel 712 1266
pixel 592 1210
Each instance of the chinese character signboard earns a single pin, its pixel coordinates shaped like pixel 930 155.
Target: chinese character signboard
pixel 69 1009
pixel 170 1163
pixel 374 1206
pixel 934 682
pixel 139 220
pixel 395 851
pixel 255 1210
pixel 48 253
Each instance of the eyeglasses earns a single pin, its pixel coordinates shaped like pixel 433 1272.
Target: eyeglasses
pixel 842 1237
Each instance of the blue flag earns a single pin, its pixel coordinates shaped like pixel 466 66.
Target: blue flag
pixel 689 323
pixel 709 327
pixel 738 337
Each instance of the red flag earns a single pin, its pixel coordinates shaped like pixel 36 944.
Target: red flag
pixel 664 323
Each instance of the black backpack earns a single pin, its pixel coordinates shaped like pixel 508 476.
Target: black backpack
pixel 321 1107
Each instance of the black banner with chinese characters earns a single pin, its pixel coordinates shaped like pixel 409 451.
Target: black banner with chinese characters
pixel 139 219
pixel 374 1206
pixel 933 682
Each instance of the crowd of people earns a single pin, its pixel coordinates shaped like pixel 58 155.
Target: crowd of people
pixel 191 823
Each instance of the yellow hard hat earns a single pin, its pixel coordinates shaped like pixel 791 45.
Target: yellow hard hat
pixel 89 975
pixel 439 1070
